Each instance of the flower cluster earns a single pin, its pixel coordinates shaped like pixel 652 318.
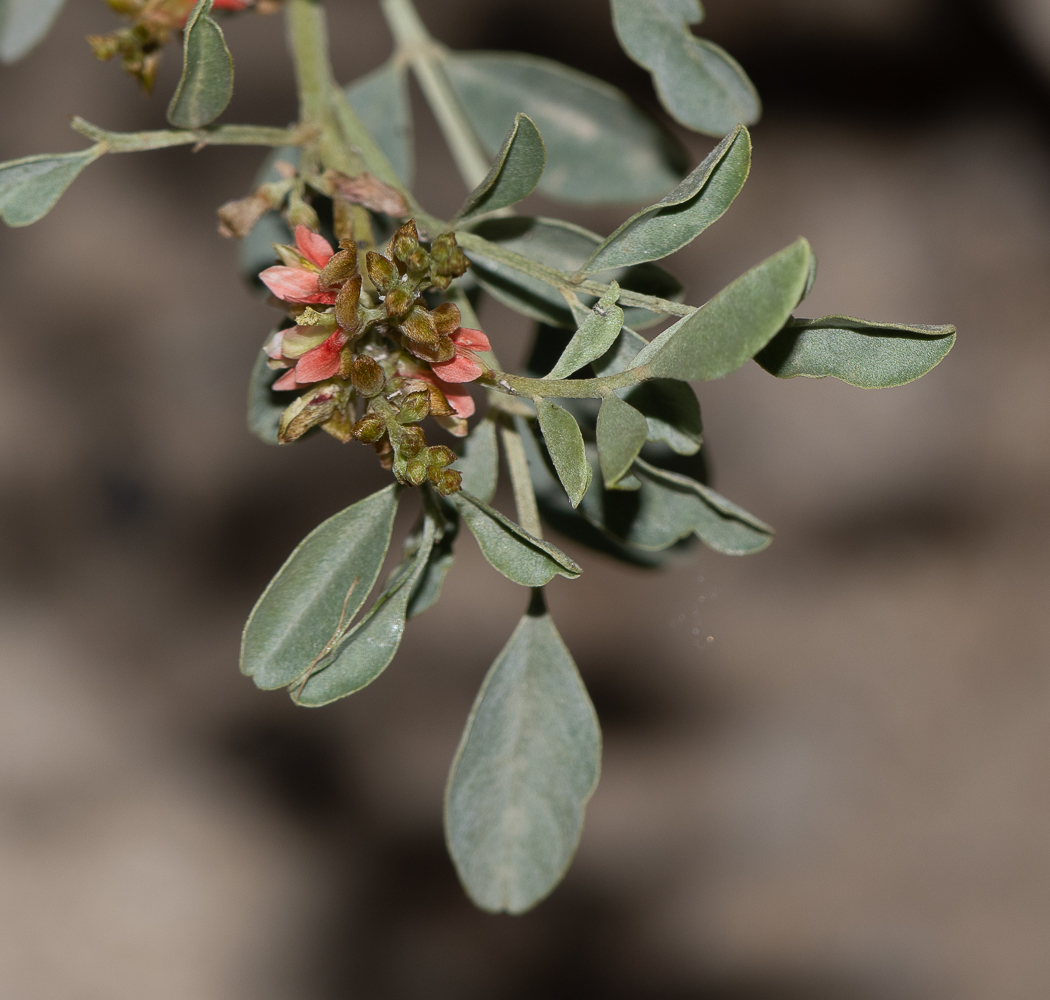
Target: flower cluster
pixel 368 356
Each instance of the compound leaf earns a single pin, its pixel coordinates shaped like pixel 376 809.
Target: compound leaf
pixel 594 336
pixel 206 84
pixel 515 173
pixel 527 763
pixel 24 23
pixel 319 589
pixel 621 432
pixel 564 442
pixel 30 187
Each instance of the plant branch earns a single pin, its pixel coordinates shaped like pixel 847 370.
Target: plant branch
pixel 563 388
pixel 221 135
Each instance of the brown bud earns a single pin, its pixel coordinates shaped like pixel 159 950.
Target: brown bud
pixel 238 218
pixel 309 410
pixel 447 318
pixel 346 361
pixel 340 426
pixel 346 305
pixel 412 442
pixel 445 481
pixel 340 267
pixel 440 456
pixel 385 452
pixel 367 377
pixel 444 351
pixel 447 260
pixel 382 272
pixel 416 472
pixel 439 405
pixel 404 241
pixel 418 262
pixel 419 327
pixel 414 407
pixel 369 429
pixel 398 301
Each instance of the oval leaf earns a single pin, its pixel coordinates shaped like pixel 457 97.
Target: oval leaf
pixel 479 465
pixel 528 762
pixel 594 336
pixel 514 175
pixel 24 23
pixel 672 412
pixel 699 83
pixel 370 646
pixel 30 187
pixel 600 147
pixel 381 101
pixel 870 355
pixel 509 548
pixel 310 598
pixel 206 84
pixel 736 324
pixel 564 442
pixel 427 589
pixel 621 432
pixel 701 199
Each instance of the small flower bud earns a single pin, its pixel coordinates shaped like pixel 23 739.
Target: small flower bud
pixel 367 377
pixel 369 429
pixel 439 456
pixel 238 218
pixel 309 410
pixel 447 318
pixel 416 472
pixel 447 260
pixel 439 405
pixel 398 301
pixel 418 262
pixel 404 241
pixel 419 327
pixel 299 213
pixel 381 271
pixel 412 442
pixel 346 361
pixel 444 351
pixel 445 481
pixel 414 407
pixel 346 305
pixel 340 267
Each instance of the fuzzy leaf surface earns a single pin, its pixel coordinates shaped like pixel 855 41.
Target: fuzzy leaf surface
pixel 206 84
pixel 527 763
pixel 370 646
pixel 700 84
pixel 300 610
pixel 480 462
pixel 564 442
pixel 671 410
pixel 701 199
pixel 594 337
pixel 427 590
pixel 862 353
pixel 736 324
pixel 381 101
pixel 23 24
pixel 30 187
pixel 515 173
pixel 510 549
pixel 600 147
pixel 621 432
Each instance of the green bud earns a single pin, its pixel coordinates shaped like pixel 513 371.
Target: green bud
pixel 412 442
pixel 398 301
pixel 381 271
pixel 369 429
pixel 419 327
pixel 299 213
pixel 346 305
pixel 404 241
pixel 418 262
pixel 445 481
pixel 416 472
pixel 414 407
pixel 447 318
pixel 439 456
pixel 445 350
pixel 367 377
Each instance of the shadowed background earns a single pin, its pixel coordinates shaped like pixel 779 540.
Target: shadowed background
pixel 825 771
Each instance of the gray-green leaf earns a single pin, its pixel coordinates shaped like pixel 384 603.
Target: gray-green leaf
pixel 594 336
pixel 514 174
pixel 600 147
pixel 24 23
pixel 671 410
pixel 510 549
pixel 206 84
pixel 479 465
pixel 699 83
pixel 736 324
pixel 30 187
pixel 701 199
pixel 564 442
pixel 621 432
pixel 369 647
pixel 310 598
pixel 871 355
pixel 381 101
pixel 264 405
pixel 427 590
pixel 528 762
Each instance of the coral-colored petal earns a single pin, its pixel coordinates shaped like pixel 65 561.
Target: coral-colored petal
pixel 462 368
pixel 286 381
pixel 474 339
pixel 231 4
pixel 290 283
pixel 274 345
pixel 313 246
pixel 458 398
pixel 322 362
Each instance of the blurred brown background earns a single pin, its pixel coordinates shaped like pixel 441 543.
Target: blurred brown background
pixel 843 793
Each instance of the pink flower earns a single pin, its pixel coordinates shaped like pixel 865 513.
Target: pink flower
pixel 299 284
pixel 315 365
pixel 464 367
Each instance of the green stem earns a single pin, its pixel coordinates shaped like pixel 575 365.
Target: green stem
pixel 521 480
pixel 416 47
pixel 564 282
pixel 221 135
pixel 564 388
pixel 308 41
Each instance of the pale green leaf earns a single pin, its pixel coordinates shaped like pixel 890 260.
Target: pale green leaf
pixel 671 410
pixel 514 174
pixel 264 405
pixel 427 589
pixel 528 762
pixel 564 442
pixel 699 83
pixel 30 187
pixel 600 147
pixel 510 549
pixel 621 354
pixel 206 84
pixel 870 355
pixel 621 432
pixel 318 590
pixel 594 337
pixel 736 324
pixel 701 199
pixel 24 23
pixel 381 101
pixel 368 648
pixel 566 247
pixel 479 465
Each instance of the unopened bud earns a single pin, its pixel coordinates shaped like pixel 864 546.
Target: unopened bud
pixel 367 376
pixel 340 266
pixel 299 213
pixel 416 472
pixel 419 326
pixel 445 350
pixel 381 271
pixel 439 456
pixel 414 407
pixel 404 241
pixel 439 405
pixel 418 262
pixel 413 441
pixel 445 481
pixel 369 429
pixel 346 305
pixel 447 318
pixel 398 301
